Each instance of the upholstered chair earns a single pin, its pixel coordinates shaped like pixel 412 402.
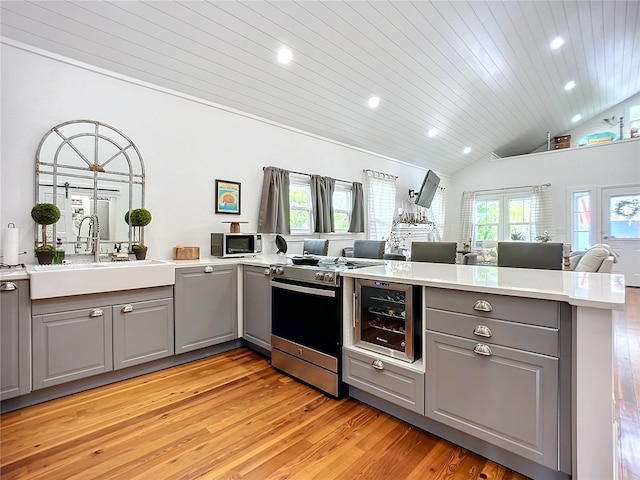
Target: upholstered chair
pixel 315 246
pixel 368 248
pixel 434 252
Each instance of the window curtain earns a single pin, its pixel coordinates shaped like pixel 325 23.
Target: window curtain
pixel 467 221
pixel 357 209
pixel 273 216
pixel 435 213
pixel 541 211
pixel 381 201
pixel 322 189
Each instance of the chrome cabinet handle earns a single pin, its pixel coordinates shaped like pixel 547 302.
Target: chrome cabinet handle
pixel 377 364
pixel 127 309
pixel 482 349
pixel 208 269
pixel 8 287
pixel 482 331
pixel 96 312
pixel 483 306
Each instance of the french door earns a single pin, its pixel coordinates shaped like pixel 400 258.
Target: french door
pixel 620 228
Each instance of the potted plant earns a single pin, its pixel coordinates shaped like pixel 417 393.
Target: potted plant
pixel 45 214
pixel 138 218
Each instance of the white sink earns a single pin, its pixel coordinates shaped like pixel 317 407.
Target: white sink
pixel 50 281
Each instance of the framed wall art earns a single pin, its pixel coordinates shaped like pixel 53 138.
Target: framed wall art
pixel 227 197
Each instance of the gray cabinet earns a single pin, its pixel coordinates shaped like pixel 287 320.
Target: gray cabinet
pixel 15 338
pixel 495 378
pixel 380 376
pixel 257 306
pixel 142 332
pixel 206 311
pixel 77 337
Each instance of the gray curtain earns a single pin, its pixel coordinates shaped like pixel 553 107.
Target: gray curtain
pixel 322 189
pixel 357 211
pixel 273 216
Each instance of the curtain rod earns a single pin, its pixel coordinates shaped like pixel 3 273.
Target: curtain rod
pixel 309 174
pixel 384 175
pixel 511 188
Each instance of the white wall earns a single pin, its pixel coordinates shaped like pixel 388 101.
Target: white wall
pixel 613 164
pixel 186 144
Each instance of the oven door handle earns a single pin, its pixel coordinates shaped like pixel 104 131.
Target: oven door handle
pixel 303 289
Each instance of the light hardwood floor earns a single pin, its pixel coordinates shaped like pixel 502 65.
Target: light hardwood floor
pixel 234 417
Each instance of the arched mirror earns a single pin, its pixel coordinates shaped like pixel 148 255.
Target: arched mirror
pixel 88 169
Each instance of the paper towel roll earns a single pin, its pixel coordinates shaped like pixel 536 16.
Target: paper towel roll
pixel 10 247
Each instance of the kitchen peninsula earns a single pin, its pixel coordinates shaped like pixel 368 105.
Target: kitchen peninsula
pixel 556 428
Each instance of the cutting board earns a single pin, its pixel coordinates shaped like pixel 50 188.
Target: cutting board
pixel 186 253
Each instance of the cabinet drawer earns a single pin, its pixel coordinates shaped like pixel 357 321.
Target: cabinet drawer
pixel 503 307
pixel 531 338
pixel 508 398
pixel 402 386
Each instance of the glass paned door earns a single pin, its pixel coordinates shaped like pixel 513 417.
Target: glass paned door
pixel 621 229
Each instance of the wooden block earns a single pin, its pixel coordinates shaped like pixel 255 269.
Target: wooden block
pixel 186 253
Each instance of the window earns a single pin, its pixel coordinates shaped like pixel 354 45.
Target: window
pixel 501 218
pixel 581 220
pixel 301 217
pixel 342 208
pixel 381 203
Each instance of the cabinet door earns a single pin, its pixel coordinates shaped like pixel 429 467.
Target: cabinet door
pixel 142 332
pixel 15 338
pixel 71 345
pixel 257 306
pixel 504 396
pixel 206 306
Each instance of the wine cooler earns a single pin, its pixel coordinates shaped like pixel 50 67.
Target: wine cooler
pixel 388 318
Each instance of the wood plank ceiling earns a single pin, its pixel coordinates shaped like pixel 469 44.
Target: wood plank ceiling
pixel 480 72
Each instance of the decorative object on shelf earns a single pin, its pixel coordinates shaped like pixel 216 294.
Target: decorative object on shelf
pixel 545 237
pixel 563 141
pixel 180 252
pixel 138 218
pixel 597 138
pixel 227 197
pixel 45 214
pixel 234 227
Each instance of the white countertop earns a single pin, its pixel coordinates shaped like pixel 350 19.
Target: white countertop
pixel 597 290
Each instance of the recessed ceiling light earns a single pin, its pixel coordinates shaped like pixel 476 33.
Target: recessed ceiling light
pixel 576 118
pixel 374 102
pixel 432 132
pixel 556 43
pixel 466 150
pixel 284 55
pixel 570 85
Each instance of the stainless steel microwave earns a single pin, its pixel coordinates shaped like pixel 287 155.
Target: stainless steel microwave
pixel 235 244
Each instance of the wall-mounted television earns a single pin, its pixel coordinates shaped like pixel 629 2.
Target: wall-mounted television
pixel 428 189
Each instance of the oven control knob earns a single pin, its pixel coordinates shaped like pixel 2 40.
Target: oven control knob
pixel 328 277
pixel 319 276
pixel 279 270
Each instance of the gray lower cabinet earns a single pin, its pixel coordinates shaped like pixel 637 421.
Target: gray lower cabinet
pixel 77 337
pixel 495 378
pixel 206 311
pixel 15 339
pixel 380 376
pixel 142 332
pixel 257 306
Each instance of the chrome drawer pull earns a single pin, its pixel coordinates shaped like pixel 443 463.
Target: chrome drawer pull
pixel 383 340
pixel 8 287
pixel 377 364
pixel 482 349
pixel 96 313
pixel 208 269
pixel 483 306
pixel 127 309
pixel 482 331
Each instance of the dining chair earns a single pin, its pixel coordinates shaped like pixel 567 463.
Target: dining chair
pixel 315 246
pixel 368 248
pixel 434 252
pixel 547 256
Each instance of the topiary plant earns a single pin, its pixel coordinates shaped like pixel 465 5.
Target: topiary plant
pixel 45 214
pixel 138 217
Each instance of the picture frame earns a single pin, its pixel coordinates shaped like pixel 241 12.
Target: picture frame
pixel 227 197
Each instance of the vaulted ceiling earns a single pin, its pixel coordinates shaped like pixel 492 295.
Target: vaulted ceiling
pixel 481 73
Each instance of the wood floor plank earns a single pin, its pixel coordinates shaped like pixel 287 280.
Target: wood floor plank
pixel 233 416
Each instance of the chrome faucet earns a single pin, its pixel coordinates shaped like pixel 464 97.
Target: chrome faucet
pixel 93 237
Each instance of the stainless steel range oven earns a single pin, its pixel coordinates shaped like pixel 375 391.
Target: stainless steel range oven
pixel 306 325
